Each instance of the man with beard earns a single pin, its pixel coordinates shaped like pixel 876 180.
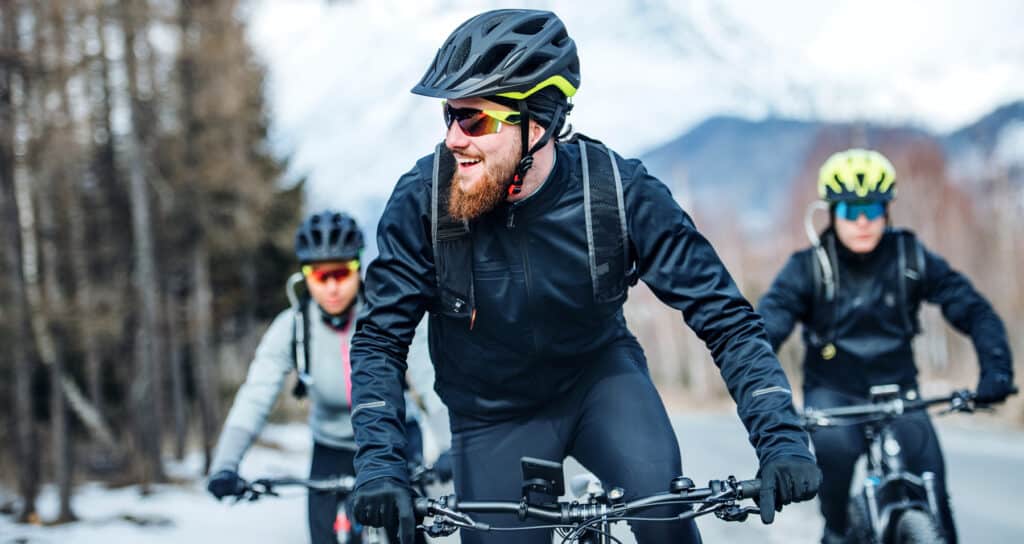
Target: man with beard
pixel 503 235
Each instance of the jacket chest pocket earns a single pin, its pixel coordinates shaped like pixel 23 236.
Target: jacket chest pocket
pixel 492 270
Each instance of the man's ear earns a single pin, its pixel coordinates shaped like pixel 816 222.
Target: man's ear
pixel 536 131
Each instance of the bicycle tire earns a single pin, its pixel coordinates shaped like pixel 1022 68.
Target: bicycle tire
pixel 917 527
pixel 858 521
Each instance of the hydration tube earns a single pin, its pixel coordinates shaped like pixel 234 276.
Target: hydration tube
pixel 826 268
pixel 299 328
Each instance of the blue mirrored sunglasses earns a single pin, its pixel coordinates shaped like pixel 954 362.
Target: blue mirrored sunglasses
pixel 850 211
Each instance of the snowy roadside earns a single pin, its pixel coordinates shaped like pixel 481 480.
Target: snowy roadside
pixel 183 513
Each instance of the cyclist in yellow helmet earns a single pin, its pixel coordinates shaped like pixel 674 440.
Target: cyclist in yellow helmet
pixel 522 247
pixel 857 291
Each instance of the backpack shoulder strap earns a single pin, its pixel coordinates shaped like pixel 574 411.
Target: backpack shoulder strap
pixel 611 268
pixel 911 275
pixel 451 241
pixel 825 275
pixel 300 347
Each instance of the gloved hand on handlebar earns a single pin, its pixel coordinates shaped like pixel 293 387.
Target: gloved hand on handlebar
pixel 225 483
pixel 444 467
pixel 994 386
pixel 786 480
pixel 386 503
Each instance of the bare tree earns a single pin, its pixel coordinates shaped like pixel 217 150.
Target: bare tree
pixel 176 359
pixel 144 394
pixel 202 350
pixel 25 442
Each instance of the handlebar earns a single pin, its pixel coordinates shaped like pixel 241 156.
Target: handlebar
pixel 961 400
pixel 267 486
pixel 720 497
pixel 420 476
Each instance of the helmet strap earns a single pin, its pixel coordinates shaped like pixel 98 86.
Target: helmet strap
pixel 526 162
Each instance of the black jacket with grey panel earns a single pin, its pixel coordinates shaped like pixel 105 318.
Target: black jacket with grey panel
pixel 536 315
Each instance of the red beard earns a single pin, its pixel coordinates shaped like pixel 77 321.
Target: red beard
pixel 486 193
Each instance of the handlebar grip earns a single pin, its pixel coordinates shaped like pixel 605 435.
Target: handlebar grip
pixel 421 505
pixel 749 489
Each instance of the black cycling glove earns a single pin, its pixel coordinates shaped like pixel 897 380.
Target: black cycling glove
pixel 786 480
pixel 444 467
pixel 994 387
pixel 386 503
pixel 225 483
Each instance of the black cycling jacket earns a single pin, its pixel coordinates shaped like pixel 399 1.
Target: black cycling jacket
pixel 536 315
pixel 873 346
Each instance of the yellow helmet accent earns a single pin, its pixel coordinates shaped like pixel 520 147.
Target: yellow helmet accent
pixel 558 81
pixel 857 174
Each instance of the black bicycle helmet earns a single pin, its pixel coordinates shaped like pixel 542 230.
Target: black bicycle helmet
pixel 509 54
pixel 328 236
pixel 506 52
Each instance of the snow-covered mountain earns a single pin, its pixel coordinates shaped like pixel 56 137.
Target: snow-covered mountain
pixel 340 73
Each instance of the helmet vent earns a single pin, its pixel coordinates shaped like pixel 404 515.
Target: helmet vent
pixel 333 237
pixel 317 238
pixel 532 65
pixel 493 24
pixel 459 57
pixel 493 59
pixel 561 39
pixel 531 27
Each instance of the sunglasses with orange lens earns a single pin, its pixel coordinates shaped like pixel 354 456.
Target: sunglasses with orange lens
pixel 323 275
pixel 474 122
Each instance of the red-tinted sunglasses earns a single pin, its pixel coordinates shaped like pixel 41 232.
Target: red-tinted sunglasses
pixel 474 122
pixel 324 275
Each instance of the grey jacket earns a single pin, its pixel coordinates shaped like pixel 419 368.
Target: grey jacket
pixel 329 418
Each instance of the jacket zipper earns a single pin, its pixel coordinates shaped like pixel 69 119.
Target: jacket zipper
pixel 525 257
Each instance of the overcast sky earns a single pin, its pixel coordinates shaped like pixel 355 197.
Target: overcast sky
pixel 340 72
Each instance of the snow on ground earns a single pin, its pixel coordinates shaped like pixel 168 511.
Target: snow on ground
pixel 183 513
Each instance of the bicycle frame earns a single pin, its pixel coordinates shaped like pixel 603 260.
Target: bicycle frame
pixel 889 489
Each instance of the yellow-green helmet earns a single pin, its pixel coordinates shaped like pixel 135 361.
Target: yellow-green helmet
pixel 857 174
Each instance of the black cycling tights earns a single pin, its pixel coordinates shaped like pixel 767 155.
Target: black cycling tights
pixel 612 421
pixel 329 462
pixel 838 448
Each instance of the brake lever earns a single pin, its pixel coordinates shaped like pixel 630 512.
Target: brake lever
pixel 456 518
pixel 259 488
pixel 439 528
pixel 736 512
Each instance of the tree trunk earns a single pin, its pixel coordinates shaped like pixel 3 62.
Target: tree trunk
pixel 203 368
pixel 25 442
pixel 201 296
pixel 49 327
pixel 145 390
pixel 176 360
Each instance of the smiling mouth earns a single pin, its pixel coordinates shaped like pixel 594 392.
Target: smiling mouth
pixel 468 163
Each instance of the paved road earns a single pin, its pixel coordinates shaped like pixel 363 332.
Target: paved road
pixel 985 465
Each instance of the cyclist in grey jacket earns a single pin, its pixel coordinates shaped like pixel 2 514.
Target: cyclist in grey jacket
pixel 316 346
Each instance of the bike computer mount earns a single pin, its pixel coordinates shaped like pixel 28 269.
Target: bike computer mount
pixel 884 393
pixel 542 477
